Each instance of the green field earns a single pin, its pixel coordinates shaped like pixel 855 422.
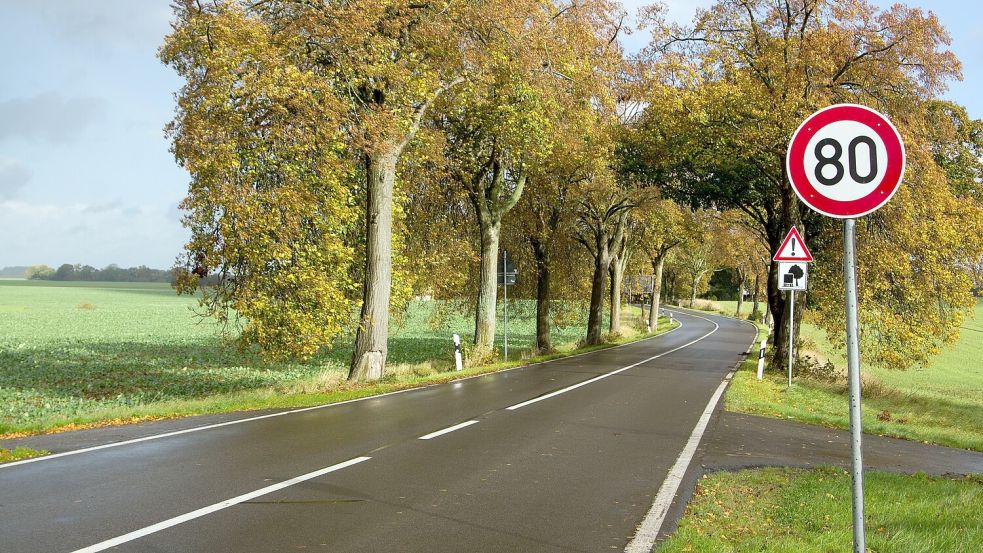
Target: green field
pixel 809 511
pixel 941 403
pixel 79 353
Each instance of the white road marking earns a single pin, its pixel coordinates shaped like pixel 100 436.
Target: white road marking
pixel 648 531
pixel 102 546
pixel 290 412
pixel 447 430
pixel 612 373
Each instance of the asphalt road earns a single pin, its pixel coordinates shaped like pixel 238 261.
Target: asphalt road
pixel 561 456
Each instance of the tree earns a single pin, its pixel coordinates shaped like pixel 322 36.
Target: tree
pixel 546 212
pixel 267 206
pixel 748 72
pixel 370 69
pixel 700 256
pixel 601 220
pixel 39 272
pixel 664 226
pixel 743 251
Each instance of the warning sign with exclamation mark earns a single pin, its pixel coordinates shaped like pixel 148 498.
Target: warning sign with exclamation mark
pixel 793 248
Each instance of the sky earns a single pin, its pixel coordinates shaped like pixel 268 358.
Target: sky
pixel 86 175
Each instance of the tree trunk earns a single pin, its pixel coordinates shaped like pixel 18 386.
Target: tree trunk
pixel 596 298
pixel 657 264
pixel 777 299
pixel 614 268
pixel 779 307
pixel 484 325
pixel 543 341
pixel 755 310
pixel 371 347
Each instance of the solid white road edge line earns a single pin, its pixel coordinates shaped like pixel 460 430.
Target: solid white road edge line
pixel 612 373
pixel 292 411
pixel 447 430
pixel 648 531
pixel 102 546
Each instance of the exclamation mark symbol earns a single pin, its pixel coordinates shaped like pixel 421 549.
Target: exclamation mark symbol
pixel 793 247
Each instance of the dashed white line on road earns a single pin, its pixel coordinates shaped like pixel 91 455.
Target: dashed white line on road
pixel 447 430
pixel 136 534
pixel 612 373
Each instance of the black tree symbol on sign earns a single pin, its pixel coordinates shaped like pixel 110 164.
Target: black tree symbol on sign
pixel 795 272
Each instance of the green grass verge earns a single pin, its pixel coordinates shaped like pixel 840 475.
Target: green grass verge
pixel 87 354
pixel 940 404
pixel 18 453
pixel 809 511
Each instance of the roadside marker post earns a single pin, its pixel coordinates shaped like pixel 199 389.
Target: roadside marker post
pixel 761 359
pixel 457 352
pixel 846 187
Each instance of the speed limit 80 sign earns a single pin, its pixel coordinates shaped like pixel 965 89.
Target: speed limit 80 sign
pixel 845 161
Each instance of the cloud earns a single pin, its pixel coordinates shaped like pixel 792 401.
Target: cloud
pixel 48 117
pixel 103 207
pixel 106 24
pixel 95 234
pixel 13 177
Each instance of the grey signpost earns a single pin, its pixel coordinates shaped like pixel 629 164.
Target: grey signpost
pixel 506 275
pixel 847 161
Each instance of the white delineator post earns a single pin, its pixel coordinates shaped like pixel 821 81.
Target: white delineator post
pixel 761 359
pixel 457 352
pixel 853 374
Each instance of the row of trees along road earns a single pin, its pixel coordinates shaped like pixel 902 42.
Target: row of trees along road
pixel 348 155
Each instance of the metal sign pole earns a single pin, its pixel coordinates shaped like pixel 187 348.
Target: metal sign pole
pixel 853 368
pixel 791 333
pixel 505 301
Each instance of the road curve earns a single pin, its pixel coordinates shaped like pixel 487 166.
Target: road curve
pixel 559 456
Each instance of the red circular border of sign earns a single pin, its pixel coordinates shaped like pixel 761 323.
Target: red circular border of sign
pixel 861 206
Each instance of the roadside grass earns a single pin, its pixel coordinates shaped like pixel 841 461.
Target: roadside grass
pixel 89 354
pixel 941 403
pixel 19 453
pixel 809 511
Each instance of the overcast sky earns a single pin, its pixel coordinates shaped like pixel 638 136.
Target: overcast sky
pixel 85 171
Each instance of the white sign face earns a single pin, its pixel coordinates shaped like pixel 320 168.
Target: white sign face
pixel 847 160
pixel 793 275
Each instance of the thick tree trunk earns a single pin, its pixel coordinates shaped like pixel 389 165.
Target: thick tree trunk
pixel 657 265
pixel 616 274
pixel 596 300
pixel 543 341
pixel 778 308
pixel 371 348
pixel 484 325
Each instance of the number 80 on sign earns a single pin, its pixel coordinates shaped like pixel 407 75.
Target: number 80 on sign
pixel 845 161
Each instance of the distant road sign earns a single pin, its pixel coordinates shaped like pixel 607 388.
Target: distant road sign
pixel 506 278
pixel 793 275
pixel 793 248
pixel 845 161
pixel 509 273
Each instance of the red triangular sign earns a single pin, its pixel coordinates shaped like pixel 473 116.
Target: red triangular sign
pixel 793 248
